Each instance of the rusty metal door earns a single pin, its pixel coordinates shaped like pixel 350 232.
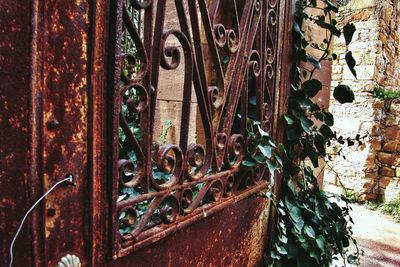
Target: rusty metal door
pixel 150 106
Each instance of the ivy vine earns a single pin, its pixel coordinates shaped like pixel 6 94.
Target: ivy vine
pixel 313 226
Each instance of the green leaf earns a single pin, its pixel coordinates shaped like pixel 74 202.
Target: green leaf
pixel 319 143
pixel 331 7
pixel 343 94
pixel 319 116
pixel 309 151
pixel 248 163
pixel 278 159
pixel 253 100
pixel 259 158
pixel 282 151
pixel 302 239
pixel 328 26
pixel 329 118
pixel 306 124
pixel 348 32
pixel 293 249
pixel 314 62
pixel 274 256
pixel 320 242
pixel 293 132
pixel 315 255
pixel 312 87
pixel 289 120
pixel 309 231
pixel 266 150
pixel 297 28
pixel 281 211
pixel 351 63
pixel 283 239
pixel 303 261
pixel 293 88
pixel 271 166
pixel 262 132
pixel 305 104
pixel 295 213
pixel 281 250
pixel 225 59
pixel 326 131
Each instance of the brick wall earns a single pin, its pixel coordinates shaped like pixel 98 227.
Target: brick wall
pixel 371 169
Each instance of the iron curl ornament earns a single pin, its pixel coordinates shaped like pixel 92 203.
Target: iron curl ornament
pixel 226 51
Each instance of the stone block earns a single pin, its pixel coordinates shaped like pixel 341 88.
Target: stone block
pixel 365 72
pixel 389 159
pixel 362 15
pixel 387 171
pixel 337 77
pixel 368 185
pixel 371 176
pixel 368 197
pixel 392 190
pixel 384 181
pixel 371 170
pixel 375 144
pixel 392 119
pixel 337 69
pixel 368 46
pixel 392 133
pixel 376 130
pixel 391 146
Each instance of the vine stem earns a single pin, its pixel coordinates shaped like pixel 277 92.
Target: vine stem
pixel 328 44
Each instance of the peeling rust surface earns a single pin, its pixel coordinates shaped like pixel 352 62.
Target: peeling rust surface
pixel 233 237
pixel 14 100
pixel 65 99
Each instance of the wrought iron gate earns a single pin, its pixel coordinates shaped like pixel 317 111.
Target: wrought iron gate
pixel 95 101
pixel 228 49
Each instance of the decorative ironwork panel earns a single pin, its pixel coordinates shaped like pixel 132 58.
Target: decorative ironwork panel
pixel 225 53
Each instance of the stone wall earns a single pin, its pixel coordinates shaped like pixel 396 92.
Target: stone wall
pixel 372 167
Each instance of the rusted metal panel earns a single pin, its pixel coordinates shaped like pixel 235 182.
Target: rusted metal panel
pixel 14 124
pixel 64 129
pixel 233 237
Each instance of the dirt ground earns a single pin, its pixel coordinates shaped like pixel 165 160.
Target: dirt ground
pixel 378 235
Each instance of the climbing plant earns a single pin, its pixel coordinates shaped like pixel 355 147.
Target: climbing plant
pixel 313 226
pixel 386 96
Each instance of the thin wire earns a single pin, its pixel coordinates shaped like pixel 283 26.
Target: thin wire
pixel 67 179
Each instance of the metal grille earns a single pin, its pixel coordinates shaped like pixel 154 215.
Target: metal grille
pixel 225 51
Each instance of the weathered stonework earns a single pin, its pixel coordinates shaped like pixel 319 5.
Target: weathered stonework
pixel 372 169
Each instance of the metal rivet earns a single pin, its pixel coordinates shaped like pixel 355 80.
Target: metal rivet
pixel 51 212
pixel 53 124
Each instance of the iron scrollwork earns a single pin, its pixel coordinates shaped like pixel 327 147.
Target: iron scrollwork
pixel 226 50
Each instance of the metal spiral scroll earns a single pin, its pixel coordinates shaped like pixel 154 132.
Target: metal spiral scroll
pixel 222 45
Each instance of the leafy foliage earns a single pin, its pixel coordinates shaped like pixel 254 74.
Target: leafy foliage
pixel 387 96
pixel 384 94
pixel 350 196
pixel 392 208
pixel 313 226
